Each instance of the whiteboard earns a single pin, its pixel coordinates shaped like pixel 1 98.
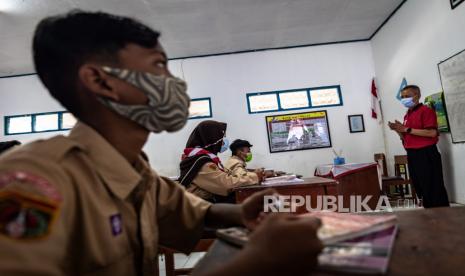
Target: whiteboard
pixel 452 72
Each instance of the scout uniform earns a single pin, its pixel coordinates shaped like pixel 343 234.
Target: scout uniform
pixel 237 167
pixel 211 181
pixel 74 205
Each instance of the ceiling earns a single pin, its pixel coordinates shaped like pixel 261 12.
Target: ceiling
pixel 204 27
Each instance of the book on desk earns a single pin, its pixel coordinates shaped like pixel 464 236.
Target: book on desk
pixel 353 243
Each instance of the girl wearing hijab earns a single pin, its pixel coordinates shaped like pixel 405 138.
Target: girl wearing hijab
pixel 201 170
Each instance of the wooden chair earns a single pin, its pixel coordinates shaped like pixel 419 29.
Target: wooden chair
pixel 401 169
pixel 170 269
pixel 400 181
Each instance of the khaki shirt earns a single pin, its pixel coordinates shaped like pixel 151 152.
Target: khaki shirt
pixel 74 205
pixel 212 181
pixel 237 167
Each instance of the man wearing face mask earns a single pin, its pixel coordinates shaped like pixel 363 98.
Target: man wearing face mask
pixel 241 155
pixel 202 172
pixel 89 203
pixel 419 134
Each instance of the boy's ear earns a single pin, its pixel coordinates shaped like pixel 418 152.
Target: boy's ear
pixel 97 81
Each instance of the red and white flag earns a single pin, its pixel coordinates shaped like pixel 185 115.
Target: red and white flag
pixel 375 103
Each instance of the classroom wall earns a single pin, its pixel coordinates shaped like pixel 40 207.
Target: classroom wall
pixel 226 79
pixel 419 36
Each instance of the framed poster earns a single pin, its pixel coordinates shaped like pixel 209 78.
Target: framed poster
pixel 356 123
pixel 436 102
pixel 455 3
pixel 299 131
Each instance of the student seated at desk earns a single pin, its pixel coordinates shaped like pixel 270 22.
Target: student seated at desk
pixel 89 203
pixel 241 154
pixel 202 172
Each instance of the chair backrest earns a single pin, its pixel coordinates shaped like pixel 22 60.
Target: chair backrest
pixel 380 158
pixel 401 166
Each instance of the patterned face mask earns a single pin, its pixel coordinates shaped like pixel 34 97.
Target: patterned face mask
pixel 168 103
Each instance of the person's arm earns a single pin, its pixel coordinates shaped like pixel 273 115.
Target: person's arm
pixel 239 170
pixel 424 132
pixel 244 263
pixel 182 216
pixel 216 181
pixel 283 244
pixel 30 193
pixel 402 130
pixel 224 215
pixel 429 123
pixel 249 213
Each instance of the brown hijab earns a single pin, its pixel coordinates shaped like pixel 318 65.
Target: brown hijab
pixel 207 135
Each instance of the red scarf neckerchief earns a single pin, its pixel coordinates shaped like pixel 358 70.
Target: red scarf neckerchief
pixel 190 152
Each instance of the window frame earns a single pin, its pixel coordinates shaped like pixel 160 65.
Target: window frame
pixel 248 95
pixel 209 105
pixel 6 119
pixel 33 123
pixel 308 89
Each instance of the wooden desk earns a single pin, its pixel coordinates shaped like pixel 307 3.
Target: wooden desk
pixel 429 242
pixel 312 187
pixel 360 182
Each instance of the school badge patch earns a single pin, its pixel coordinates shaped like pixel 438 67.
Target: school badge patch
pixel 28 206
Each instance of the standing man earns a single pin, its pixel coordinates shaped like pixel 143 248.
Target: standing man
pixel 419 134
pixel 89 203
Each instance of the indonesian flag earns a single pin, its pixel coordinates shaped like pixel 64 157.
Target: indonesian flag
pixel 375 104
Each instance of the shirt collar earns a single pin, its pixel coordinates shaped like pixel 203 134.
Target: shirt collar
pixel 238 159
pixel 118 174
pixel 415 108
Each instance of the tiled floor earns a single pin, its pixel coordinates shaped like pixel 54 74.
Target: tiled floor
pixel 181 261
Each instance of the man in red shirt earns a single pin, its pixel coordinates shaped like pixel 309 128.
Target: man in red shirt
pixel 419 134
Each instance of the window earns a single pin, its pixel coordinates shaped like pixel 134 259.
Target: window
pixel 67 120
pixel 63 120
pixel 294 99
pixel 200 108
pixel 39 122
pixel 326 96
pixel 46 122
pixel 18 124
pixel 263 102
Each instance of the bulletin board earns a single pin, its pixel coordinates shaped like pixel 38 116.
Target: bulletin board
pixel 452 73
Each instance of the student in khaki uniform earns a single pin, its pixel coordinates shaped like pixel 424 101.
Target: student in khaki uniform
pixel 89 203
pixel 202 172
pixel 241 155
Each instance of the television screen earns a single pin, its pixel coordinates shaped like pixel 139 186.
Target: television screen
pixel 298 131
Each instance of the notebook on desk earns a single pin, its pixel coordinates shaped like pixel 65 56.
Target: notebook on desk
pixel 353 243
pixel 336 227
pixel 367 254
pixel 285 179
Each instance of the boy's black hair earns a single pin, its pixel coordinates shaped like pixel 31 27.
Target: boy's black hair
pixel 238 144
pixel 8 144
pixel 63 43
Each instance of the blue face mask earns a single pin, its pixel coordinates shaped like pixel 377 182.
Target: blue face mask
pixel 408 102
pixel 225 145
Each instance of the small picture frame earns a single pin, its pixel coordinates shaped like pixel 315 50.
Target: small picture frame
pixel 356 123
pixel 455 3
